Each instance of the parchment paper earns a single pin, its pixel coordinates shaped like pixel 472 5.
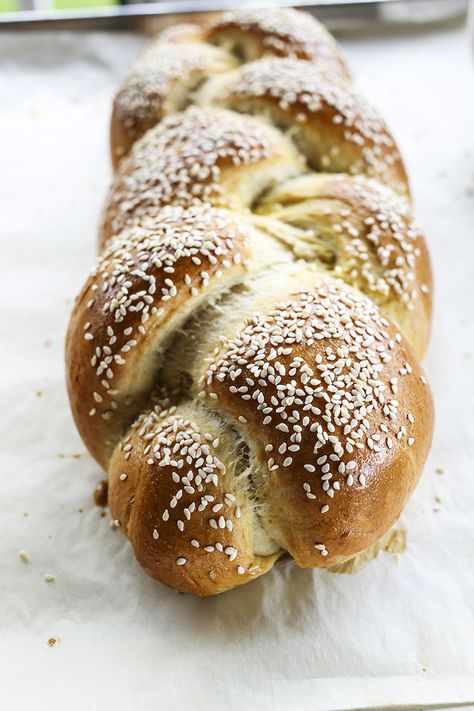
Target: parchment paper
pixel 399 632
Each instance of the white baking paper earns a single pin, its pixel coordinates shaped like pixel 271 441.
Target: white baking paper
pixel 397 632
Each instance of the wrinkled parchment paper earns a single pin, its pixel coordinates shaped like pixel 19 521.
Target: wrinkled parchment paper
pixel 399 632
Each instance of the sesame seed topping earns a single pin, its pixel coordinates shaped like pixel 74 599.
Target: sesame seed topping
pixel 286 32
pixel 190 148
pixel 131 269
pixel 340 113
pixel 322 548
pixel 343 387
pixel 142 97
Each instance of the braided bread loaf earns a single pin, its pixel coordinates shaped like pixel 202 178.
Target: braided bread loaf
pixel 243 358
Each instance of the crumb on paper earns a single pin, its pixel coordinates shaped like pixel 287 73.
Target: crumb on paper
pixel 438 499
pixel 103 514
pixel 439 470
pixel 74 455
pixel 80 510
pixel 23 556
pixel 101 493
pixel 25 513
pixel 53 641
pixel 39 393
pixel 48 578
pixel 114 524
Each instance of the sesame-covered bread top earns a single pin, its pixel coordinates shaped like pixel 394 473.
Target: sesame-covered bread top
pixel 157 86
pixel 365 234
pixel 282 32
pixel 200 155
pixel 334 125
pixel 143 285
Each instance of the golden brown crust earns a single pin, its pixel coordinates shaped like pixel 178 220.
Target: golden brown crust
pixel 234 360
pixel 141 288
pixel 176 499
pixel 338 130
pixel 163 78
pixel 370 241
pixel 201 155
pixel 332 400
pixel 157 85
pixel 253 34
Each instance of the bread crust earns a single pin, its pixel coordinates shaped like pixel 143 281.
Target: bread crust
pixel 256 33
pixel 335 126
pixel 157 86
pixel 200 155
pixel 371 240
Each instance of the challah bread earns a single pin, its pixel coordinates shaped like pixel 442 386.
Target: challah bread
pixel 243 358
pixel 160 81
